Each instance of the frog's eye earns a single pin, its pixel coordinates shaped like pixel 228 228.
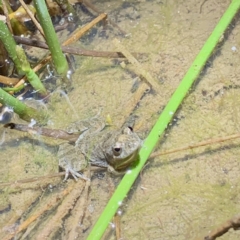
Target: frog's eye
pixel 117 151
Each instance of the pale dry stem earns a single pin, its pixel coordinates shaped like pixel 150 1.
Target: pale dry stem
pixel 137 66
pixel 78 213
pixel 200 144
pixel 132 102
pixel 68 203
pixel 54 200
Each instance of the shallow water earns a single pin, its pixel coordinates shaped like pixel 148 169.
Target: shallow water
pixel 178 196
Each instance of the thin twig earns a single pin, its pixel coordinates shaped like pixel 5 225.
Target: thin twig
pixel 117 222
pixel 35 179
pixel 233 223
pixel 28 180
pixel 200 8
pixel 72 50
pixel 200 144
pixel 132 102
pixel 30 14
pixel 5 11
pixel 79 32
pixel 53 133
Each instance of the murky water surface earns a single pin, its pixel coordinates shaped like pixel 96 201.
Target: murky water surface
pixel 178 196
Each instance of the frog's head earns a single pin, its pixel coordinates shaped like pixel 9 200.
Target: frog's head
pixel 123 149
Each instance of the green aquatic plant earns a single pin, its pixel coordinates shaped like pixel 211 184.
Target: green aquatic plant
pixel 19 58
pixel 59 59
pixel 10 45
pixel 31 75
pixel 64 4
pixel 163 121
pixel 25 112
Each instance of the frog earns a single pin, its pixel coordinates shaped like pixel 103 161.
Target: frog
pixel 100 146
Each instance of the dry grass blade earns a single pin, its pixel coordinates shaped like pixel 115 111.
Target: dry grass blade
pixel 28 180
pixel 137 66
pixel 132 102
pixel 79 32
pixel 6 15
pixel 51 203
pixel 117 222
pixel 78 213
pixel 56 221
pixel 200 144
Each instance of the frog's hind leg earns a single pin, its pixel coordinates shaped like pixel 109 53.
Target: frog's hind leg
pixel 72 160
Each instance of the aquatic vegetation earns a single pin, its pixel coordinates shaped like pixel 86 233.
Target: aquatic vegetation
pixel 59 59
pixel 31 75
pixel 10 45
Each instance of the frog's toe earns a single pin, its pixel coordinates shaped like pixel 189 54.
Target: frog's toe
pixel 75 174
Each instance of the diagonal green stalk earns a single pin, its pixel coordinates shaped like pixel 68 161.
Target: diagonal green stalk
pixel 31 75
pixel 25 112
pixel 10 45
pixel 163 121
pixel 59 59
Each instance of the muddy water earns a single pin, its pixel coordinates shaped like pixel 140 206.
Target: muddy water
pixel 178 196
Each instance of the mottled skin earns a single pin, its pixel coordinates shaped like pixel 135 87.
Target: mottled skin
pixel 115 150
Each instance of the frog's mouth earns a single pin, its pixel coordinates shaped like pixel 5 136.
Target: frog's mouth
pixel 120 164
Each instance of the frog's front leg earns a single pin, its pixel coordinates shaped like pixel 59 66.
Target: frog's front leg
pixel 72 160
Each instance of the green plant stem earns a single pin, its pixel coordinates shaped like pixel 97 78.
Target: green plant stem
pixel 13 89
pixel 10 45
pixel 163 121
pixel 59 59
pixel 64 4
pixel 24 112
pixel 35 82
pixel 31 75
